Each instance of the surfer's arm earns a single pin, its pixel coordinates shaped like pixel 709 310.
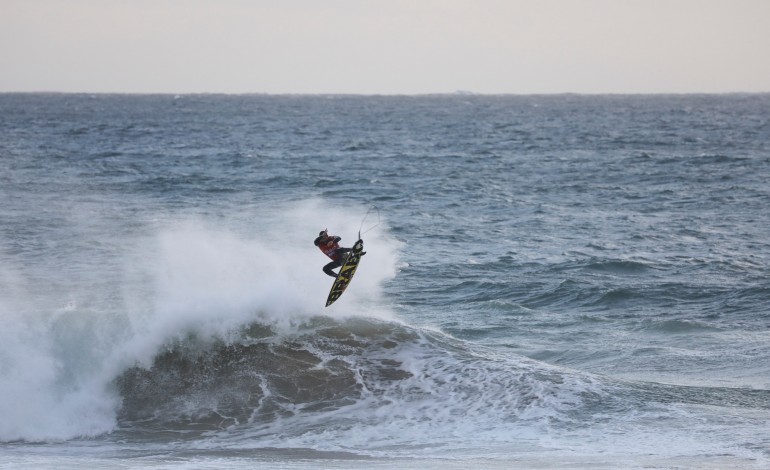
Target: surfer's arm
pixel 332 241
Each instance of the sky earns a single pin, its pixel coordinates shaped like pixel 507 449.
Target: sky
pixel 385 46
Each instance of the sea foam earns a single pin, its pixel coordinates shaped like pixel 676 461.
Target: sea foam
pixel 61 351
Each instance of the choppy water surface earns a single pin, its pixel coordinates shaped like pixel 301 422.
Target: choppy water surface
pixel 555 281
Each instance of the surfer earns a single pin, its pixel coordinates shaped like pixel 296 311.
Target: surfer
pixel 329 245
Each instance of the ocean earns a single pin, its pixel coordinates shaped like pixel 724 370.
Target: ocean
pixel 560 281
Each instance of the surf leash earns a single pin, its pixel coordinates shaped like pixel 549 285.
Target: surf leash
pixel 365 218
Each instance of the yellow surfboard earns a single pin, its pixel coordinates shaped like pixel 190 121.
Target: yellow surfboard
pixel 346 273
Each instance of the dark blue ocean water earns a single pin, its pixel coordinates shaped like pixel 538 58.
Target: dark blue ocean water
pixel 550 281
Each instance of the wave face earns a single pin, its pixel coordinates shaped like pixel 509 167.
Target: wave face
pixel 369 383
pixel 378 388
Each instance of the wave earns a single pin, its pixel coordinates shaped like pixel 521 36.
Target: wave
pixel 376 388
pixel 63 345
pixel 342 384
pixel 257 375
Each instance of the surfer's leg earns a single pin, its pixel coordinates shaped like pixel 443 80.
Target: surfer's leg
pixel 344 253
pixel 328 268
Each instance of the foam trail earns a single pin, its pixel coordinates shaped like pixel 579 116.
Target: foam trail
pixel 190 277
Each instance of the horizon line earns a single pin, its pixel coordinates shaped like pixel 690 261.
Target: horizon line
pixel 448 93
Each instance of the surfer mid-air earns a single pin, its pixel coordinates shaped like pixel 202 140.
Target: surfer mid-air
pixel 347 258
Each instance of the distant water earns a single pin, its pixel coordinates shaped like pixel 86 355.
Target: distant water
pixel 550 281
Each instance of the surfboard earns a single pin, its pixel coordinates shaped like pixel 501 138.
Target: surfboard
pixel 346 273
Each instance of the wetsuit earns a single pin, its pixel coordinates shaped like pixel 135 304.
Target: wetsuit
pixel 331 248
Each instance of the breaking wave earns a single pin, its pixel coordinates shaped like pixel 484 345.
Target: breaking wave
pixel 383 381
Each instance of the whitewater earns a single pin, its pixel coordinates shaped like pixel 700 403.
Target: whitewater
pixel 554 281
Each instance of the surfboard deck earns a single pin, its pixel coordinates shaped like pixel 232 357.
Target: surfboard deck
pixel 347 270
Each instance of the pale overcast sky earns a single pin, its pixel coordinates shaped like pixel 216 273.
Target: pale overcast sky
pixel 385 46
